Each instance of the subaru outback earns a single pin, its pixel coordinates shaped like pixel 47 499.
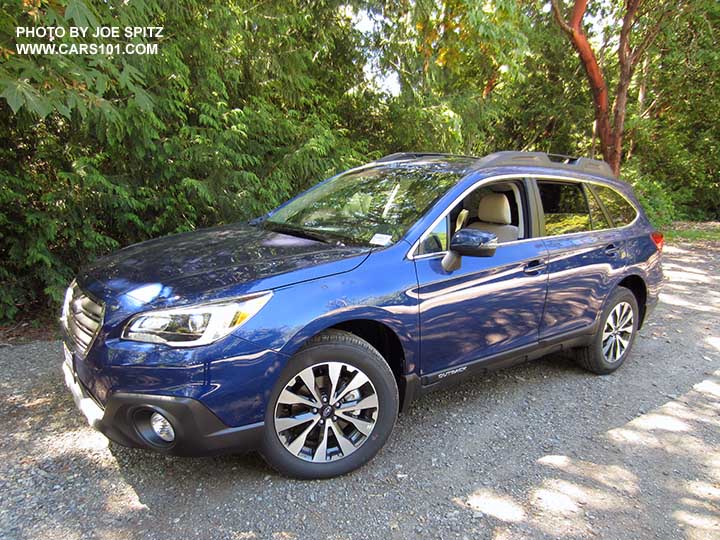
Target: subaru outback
pixel 304 332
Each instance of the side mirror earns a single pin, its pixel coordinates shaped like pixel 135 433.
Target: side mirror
pixel 471 243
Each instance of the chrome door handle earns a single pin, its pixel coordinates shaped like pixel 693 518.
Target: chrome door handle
pixel 612 250
pixel 534 267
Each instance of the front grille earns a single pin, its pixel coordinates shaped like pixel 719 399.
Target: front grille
pixel 83 319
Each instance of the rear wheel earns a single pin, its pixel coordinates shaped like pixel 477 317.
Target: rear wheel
pixel 616 334
pixel 332 408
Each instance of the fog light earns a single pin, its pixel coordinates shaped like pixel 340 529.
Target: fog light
pixel 162 427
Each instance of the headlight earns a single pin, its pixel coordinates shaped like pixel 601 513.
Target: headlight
pixel 195 325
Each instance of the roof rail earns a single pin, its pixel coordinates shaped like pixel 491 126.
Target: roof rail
pixel 411 155
pixel 541 159
pixel 508 159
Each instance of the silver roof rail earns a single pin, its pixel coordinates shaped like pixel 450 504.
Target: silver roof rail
pixel 397 156
pixel 510 159
pixel 541 159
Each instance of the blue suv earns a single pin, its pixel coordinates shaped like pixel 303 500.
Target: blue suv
pixel 302 333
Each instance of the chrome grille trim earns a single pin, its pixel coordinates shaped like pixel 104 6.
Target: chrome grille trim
pixel 83 320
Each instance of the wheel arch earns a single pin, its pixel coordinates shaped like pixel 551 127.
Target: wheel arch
pixel 381 337
pixel 385 334
pixel 636 284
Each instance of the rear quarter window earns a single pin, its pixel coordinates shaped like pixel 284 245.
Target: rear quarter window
pixel 621 211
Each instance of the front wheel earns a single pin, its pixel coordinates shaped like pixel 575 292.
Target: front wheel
pixel 332 408
pixel 616 334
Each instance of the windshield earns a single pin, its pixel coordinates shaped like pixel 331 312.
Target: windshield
pixel 376 205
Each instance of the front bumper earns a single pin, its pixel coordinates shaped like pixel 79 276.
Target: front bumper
pixel 198 432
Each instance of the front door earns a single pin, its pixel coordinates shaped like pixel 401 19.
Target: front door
pixel 490 305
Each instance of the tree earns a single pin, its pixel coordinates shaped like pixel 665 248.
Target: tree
pixel 636 18
pixel 674 129
pixel 248 102
pixel 451 57
pixel 244 104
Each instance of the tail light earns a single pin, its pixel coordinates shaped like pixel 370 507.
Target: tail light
pixel 658 239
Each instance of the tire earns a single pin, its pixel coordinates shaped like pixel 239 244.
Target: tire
pixel 606 353
pixel 354 432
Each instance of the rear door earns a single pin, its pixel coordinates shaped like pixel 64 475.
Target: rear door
pixel 585 254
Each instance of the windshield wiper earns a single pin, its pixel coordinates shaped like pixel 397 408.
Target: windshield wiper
pixel 297 231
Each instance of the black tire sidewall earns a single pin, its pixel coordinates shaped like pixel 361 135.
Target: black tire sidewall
pixel 376 369
pixel 621 294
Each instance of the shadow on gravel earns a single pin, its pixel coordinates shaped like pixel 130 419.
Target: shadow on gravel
pixel 665 462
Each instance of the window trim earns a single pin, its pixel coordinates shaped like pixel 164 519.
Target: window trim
pixel 427 234
pixel 585 190
pixel 591 194
pixel 517 176
pixel 521 209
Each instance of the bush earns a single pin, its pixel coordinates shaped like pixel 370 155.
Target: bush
pixel 247 103
pixel 230 118
pixel 656 198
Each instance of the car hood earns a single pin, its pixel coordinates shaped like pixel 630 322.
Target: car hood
pixel 241 258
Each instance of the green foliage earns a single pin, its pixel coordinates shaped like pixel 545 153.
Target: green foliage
pixel 244 105
pixel 656 198
pixel 677 134
pixel 693 232
pixel 247 103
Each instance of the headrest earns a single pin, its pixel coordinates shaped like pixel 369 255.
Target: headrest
pixel 494 208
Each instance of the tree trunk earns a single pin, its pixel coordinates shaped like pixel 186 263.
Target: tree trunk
pixel 614 153
pixel 642 90
pixel 610 135
pixel 594 75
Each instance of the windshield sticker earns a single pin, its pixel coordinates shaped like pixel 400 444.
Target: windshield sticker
pixel 381 239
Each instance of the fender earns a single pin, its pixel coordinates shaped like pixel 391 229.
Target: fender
pixel 408 341
pixel 369 291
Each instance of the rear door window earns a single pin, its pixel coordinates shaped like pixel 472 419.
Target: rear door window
pixel 565 207
pixel 620 210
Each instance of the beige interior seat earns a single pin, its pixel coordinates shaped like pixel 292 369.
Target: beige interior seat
pixel 494 216
pixel 462 219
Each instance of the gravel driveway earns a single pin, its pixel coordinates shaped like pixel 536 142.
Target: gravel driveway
pixel 543 450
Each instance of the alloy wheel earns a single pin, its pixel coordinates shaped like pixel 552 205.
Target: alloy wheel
pixel 326 412
pixel 617 332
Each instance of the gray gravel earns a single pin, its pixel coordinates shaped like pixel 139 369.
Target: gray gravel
pixel 543 450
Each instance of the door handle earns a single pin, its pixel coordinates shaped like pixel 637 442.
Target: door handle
pixel 612 250
pixel 534 267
